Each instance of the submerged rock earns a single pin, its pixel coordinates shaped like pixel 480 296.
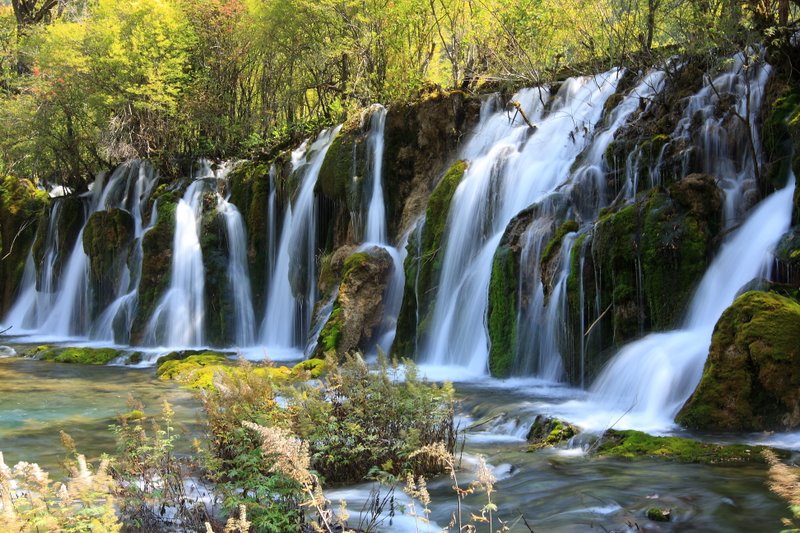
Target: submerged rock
pixel 751 380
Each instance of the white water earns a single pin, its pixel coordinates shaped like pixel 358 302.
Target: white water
pixel 376 214
pixel 652 378
pixel 244 319
pixel 179 318
pixel 287 317
pixel 510 168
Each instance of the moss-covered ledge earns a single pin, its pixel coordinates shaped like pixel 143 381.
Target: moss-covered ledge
pixel 631 444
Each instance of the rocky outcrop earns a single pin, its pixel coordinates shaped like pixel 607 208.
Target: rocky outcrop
pixel 644 260
pixel 751 380
pixel 21 206
pixel 358 308
pixel 107 239
pixel 219 327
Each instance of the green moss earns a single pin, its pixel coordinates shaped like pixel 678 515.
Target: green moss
pixel 107 237
pixel 332 332
pixel 554 245
pixel 219 304
pixel 502 313
pixel 751 379
pixel 310 368
pixel 194 371
pixel 779 140
pixel 657 514
pixel 632 444
pixel 547 432
pixel 79 356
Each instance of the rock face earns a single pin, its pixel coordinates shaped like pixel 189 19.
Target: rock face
pixel 71 215
pixel 644 260
pixel 423 264
pixel 358 308
pixel 21 205
pixel 107 239
pixel 751 380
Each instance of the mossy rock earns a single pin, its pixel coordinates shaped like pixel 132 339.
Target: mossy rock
pixel 219 303
pixel 751 380
pixel 781 142
pixel 422 270
pixel 547 432
pixel 358 308
pixel 632 444
pixel 79 356
pixel 787 259
pixel 502 312
pixel 107 238
pixel 657 514
pixel 187 369
pixel 22 207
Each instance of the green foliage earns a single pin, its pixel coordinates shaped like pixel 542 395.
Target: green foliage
pixel 353 420
pixel 150 475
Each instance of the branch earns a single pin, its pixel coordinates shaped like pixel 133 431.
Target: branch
pixel 521 113
pixel 11 248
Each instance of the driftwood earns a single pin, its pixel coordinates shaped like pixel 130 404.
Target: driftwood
pixel 516 105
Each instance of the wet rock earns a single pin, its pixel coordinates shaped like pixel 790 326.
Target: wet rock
pixel 786 269
pixel 751 380
pixel 7 351
pixel 358 308
pixel 547 432
pixel 74 355
pixel 656 514
pixel 72 211
pixel 107 239
pixel 423 264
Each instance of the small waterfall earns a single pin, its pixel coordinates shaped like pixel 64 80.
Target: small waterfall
pixel 375 231
pixel 238 275
pixel 654 376
pixel 287 318
pixel 180 316
pixel 511 167
pixel 272 227
pixel 550 360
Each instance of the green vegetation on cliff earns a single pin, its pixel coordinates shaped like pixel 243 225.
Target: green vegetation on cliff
pixel 631 444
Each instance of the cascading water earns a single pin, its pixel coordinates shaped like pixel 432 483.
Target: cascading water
pixel 238 275
pixel 511 167
pixel 375 231
pixel 654 376
pixel 287 318
pixel 180 316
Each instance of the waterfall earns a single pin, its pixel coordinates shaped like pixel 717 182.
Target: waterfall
pixel 654 376
pixel 238 275
pixel 376 214
pixel 287 317
pixel 179 317
pixel 511 167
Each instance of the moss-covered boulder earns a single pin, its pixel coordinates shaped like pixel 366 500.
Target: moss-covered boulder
pixel 630 444
pixel 424 263
pixel 74 355
pixel 751 380
pixel 107 239
pixel 358 308
pixel 21 208
pixel 157 246
pixel 547 432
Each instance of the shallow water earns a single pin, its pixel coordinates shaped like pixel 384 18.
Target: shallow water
pixel 39 398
